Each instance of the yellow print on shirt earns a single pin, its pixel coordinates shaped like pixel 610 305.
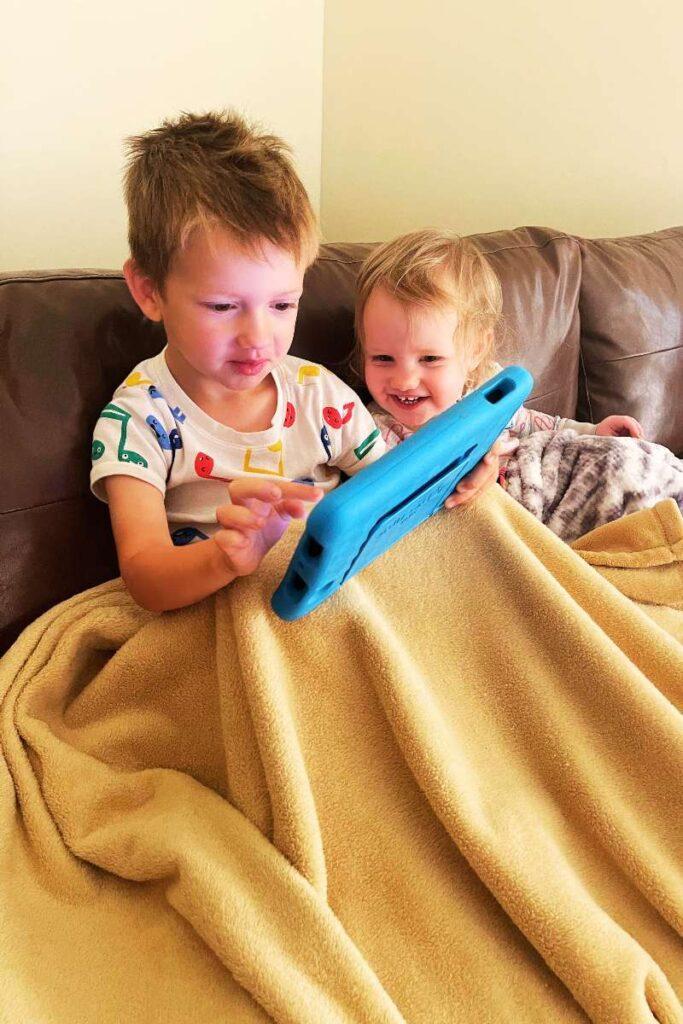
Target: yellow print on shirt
pixel 269 467
pixel 135 379
pixel 306 373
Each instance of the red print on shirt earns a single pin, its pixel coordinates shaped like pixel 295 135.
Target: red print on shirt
pixel 203 467
pixel 543 421
pixel 290 415
pixel 334 418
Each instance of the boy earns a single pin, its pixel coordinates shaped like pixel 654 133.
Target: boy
pixel 222 437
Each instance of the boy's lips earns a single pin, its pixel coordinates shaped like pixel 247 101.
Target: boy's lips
pixel 249 367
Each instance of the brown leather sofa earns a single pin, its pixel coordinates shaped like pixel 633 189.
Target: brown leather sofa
pixel 598 322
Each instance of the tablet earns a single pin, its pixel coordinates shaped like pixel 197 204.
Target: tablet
pixel 364 516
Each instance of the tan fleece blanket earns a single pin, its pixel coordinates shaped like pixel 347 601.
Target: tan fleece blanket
pixel 451 794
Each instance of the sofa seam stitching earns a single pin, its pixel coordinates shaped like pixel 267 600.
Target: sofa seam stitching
pixel 487 252
pixel 44 504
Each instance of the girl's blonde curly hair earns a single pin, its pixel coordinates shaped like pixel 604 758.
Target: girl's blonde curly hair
pixel 432 268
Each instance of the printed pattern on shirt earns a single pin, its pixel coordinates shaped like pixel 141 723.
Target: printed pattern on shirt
pixel 152 431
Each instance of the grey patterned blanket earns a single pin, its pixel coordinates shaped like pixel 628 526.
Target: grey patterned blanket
pixel 576 482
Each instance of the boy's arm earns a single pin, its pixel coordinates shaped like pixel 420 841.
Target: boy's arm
pixel 159 575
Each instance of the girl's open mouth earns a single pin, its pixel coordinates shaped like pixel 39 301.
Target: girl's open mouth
pixel 409 403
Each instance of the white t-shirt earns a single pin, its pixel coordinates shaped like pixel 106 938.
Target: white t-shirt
pixel 153 431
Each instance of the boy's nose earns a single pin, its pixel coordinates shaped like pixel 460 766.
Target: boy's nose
pixel 253 330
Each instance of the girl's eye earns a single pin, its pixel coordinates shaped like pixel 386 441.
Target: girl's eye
pixel 431 359
pixel 381 359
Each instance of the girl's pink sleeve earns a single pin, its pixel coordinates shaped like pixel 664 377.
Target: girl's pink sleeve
pixel 521 424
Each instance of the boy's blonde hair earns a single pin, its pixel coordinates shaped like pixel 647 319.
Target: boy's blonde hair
pixel 207 169
pixel 432 268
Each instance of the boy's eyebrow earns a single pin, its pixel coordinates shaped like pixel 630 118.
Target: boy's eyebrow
pixel 211 295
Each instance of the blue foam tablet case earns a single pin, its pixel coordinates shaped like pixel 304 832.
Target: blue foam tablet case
pixel 360 519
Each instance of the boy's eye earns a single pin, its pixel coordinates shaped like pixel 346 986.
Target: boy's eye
pixel 431 359
pixel 282 307
pixel 220 307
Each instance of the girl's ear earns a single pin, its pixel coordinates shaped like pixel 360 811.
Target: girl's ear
pixel 143 290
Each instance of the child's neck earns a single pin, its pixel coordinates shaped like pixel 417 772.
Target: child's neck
pixel 244 411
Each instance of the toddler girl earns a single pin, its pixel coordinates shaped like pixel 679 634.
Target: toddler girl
pixel 427 308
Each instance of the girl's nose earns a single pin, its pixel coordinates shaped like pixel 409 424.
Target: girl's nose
pixel 404 379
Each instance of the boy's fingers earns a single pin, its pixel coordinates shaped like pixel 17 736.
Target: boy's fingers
pixel 247 487
pixel 228 540
pixel 292 508
pixel 262 509
pixel 300 492
pixel 244 490
pixel 240 516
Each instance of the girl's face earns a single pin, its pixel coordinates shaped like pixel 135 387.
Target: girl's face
pixel 411 363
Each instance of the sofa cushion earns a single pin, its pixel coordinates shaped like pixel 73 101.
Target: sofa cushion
pixel 631 308
pixel 540 273
pixel 65 341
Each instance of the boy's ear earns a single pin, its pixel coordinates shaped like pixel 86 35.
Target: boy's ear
pixel 143 290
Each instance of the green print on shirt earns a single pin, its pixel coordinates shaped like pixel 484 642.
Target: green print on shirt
pixel 113 412
pixel 364 447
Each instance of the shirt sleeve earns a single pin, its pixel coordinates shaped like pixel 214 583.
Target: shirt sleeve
pixel 392 432
pixel 131 438
pixel 356 439
pixel 526 422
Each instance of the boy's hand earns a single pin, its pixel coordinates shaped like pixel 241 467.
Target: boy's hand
pixel 619 426
pixel 477 480
pixel 258 516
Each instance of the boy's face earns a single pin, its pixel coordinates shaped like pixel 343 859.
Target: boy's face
pixel 412 367
pixel 229 314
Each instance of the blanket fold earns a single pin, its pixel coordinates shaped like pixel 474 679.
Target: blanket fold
pixel 575 483
pixel 451 793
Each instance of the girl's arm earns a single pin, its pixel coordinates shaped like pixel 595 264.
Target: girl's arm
pixel 528 421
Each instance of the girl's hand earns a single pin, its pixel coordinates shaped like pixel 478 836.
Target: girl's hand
pixel 257 518
pixel 619 426
pixel 477 480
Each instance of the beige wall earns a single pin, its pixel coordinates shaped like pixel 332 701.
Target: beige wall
pixel 472 116
pixel 78 76
pixel 478 116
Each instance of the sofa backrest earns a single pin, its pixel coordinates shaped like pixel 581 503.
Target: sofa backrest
pixel 540 273
pixel 631 310
pixel 68 338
